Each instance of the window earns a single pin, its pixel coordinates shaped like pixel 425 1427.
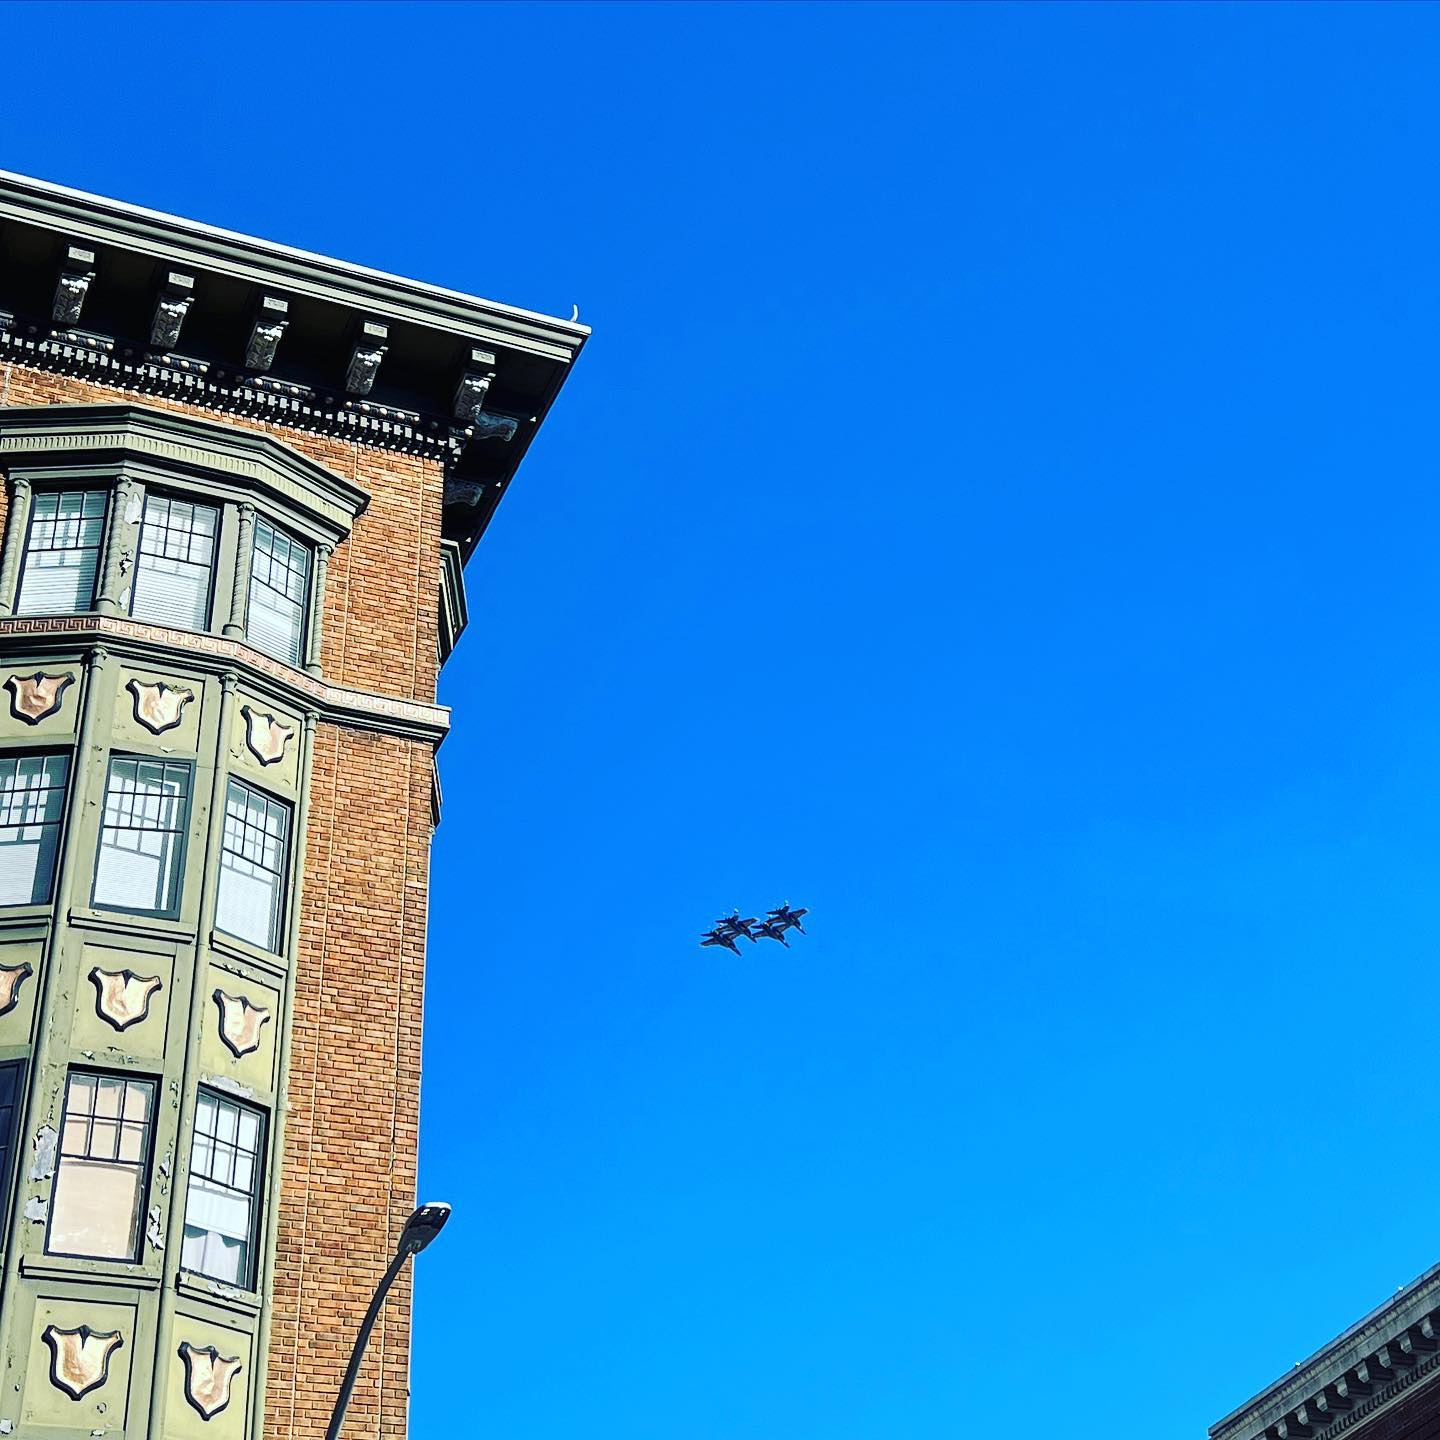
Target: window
pixel 177 561
pixel 9 1124
pixel 279 584
pixel 99 1194
pixel 62 552
pixel 32 803
pixel 222 1204
pixel 142 836
pixel 252 865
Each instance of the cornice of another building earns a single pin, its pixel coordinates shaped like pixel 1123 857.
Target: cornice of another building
pixel 1354 1379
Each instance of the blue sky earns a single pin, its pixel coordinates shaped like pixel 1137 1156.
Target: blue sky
pixel 997 510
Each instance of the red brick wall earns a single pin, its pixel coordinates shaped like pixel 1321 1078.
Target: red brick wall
pixel 382 597
pixel 352 1129
pixel 354 1090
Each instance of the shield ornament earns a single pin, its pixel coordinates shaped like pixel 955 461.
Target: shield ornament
pixel 122 997
pixel 12 977
pixel 36 697
pixel 240 1023
pixel 158 705
pixel 80 1359
pixel 265 737
pixel 207 1378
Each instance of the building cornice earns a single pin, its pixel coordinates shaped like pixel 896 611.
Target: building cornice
pixel 1378 1361
pixel 192 244
pixel 152 304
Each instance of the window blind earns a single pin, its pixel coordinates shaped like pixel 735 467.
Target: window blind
pixel 138 863
pixel 279 588
pixel 62 552
pixel 252 865
pixel 176 563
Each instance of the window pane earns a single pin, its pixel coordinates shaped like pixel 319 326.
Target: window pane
pixel 222 1198
pixel 176 563
pixel 104 1140
pixel 107 1096
pixel 142 830
pixel 279 587
pixel 95 1209
pixel 62 552
pixel 252 865
pixel 132 1142
pixel 32 804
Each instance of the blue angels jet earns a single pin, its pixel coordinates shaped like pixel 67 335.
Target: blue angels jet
pixel 784 918
pixel 716 936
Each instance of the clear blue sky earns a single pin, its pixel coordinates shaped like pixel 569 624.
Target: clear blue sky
pixel 998 510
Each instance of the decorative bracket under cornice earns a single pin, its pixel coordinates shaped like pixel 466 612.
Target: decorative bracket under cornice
pixel 269 326
pixel 176 298
pixel 365 358
pixel 76 274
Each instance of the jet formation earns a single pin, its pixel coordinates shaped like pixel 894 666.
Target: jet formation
pixel 735 927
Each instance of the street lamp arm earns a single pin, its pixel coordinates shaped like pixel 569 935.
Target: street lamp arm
pixel 362 1339
pixel 420 1229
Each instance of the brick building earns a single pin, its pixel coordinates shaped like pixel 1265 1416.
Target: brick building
pixel 1380 1380
pixel 240 485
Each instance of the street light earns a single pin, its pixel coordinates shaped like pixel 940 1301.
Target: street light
pixel 420 1229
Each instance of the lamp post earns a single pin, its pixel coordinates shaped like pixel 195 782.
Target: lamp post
pixel 420 1229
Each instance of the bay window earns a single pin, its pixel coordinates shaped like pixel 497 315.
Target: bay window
pixel 222 1202
pixel 252 865
pixel 142 836
pixel 32 805
pixel 279 591
pixel 62 552
pixel 99 1197
pixel 176 563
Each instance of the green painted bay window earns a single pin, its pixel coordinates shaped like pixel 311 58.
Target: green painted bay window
pixel 249 901
pixel 100 1180
pixel 279 592
pixel 175 569
pixel 32 806
pixel 142 836
pixel 62 552
pixel 222 1202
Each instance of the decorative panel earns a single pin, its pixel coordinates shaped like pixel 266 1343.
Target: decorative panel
pixel 78 1374
pixel 39 700
pixel 122 1001
pixel 19 982
pixel 210 1369
pixel 158 709
pixel 239 1040
pixel 265 744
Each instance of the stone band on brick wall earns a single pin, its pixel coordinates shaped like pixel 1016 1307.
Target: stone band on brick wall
pixel 335 703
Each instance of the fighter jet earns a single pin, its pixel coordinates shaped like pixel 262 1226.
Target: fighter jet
pixel 714 937
pixel 772 930
pixel 786 918
pixel 733 926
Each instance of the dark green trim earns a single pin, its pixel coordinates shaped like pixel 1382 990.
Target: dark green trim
pixel 454 608
pixel 190 244
pixel 176 448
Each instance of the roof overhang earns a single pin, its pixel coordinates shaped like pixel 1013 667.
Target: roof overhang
pixel 144 300
pixel 1382 1365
